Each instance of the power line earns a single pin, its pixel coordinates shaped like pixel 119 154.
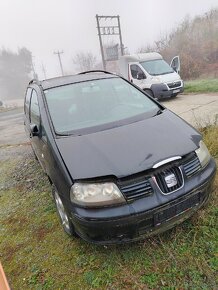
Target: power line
pixel 58 53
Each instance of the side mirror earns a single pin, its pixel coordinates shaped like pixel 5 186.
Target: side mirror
pixel 140 76
pixel 34 130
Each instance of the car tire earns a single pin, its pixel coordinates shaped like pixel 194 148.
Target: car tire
pixel 62 213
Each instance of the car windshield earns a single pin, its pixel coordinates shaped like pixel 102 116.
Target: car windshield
pixel 157 67
pixel 97 105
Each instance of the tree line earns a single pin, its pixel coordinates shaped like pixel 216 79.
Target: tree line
pixel 15 69
pixel 196 42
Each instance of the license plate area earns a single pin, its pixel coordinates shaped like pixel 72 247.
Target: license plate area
pixel 176 91
pixel 175 210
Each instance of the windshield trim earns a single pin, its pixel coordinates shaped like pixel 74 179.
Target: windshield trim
pixel 111 125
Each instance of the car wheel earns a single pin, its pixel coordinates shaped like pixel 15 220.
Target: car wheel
pixel 63 215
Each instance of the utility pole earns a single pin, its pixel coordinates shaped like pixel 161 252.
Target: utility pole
pixel 44 71
pixel 100 41
pixel 59 57
pixel 109 30
pixel 121 42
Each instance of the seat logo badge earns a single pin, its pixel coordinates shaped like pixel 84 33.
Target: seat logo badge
pixel 171 180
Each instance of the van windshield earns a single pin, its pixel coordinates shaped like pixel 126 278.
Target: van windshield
pixel 157 67
pixel 96 105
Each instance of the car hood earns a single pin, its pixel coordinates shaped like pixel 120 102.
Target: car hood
pixel 128 149
pixel 168 78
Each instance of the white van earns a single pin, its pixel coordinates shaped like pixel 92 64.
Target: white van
pixel 152 74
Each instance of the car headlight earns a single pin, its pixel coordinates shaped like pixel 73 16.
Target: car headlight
pixel 203 154
pixel 156 80
pixel 96 194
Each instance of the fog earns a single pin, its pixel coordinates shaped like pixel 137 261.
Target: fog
pixel 46 26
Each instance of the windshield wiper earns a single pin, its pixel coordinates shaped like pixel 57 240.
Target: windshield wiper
pixel 168 72
pixel 160 111
pixel 64 134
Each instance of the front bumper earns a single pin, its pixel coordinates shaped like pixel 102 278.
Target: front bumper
pixel 139 225
pixel 161 91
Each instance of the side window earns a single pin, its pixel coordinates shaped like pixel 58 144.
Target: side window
pixel 135 69
pixel 27 101
pixel 34 109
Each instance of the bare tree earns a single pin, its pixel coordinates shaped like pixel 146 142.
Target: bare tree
pixel 195 41
pixel 85 61
pixel 146 48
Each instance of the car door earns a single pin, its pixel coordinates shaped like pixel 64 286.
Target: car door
pixel 27 111
pixel 136 74
pixel 175 64
pixel 35 122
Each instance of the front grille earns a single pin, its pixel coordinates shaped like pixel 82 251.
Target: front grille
pixel 171 210
pixel 192 166
pixel 161 179
pixel 169 178
pixel 177 209
pixel 135 189
pixel 174 85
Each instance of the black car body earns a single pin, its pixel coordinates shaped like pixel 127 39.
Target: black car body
pixel 151 170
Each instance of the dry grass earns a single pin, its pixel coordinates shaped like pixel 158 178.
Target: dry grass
pixel 36 254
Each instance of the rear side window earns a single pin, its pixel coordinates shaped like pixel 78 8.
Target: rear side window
pixel 34 109
pixel 27 101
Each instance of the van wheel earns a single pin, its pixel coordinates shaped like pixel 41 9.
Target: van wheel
pixel 149 92
pixel 63 215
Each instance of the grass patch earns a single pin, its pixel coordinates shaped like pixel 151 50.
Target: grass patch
pixel 202 86
pixel 210 136
pixel 36 254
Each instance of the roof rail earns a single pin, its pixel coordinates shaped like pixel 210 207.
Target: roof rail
pixel 34 81
pixel 94 71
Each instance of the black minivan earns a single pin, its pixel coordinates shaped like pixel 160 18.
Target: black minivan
pixel 121 165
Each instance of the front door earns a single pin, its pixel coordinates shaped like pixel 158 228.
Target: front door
pixel 136 75
pixel 35 120
pixel 175 64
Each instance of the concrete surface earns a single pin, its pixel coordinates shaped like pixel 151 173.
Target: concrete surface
pixel 13 103
pixel 198 110
pixel 12 127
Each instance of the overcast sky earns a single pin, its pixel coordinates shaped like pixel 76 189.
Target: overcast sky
pixel 47 25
